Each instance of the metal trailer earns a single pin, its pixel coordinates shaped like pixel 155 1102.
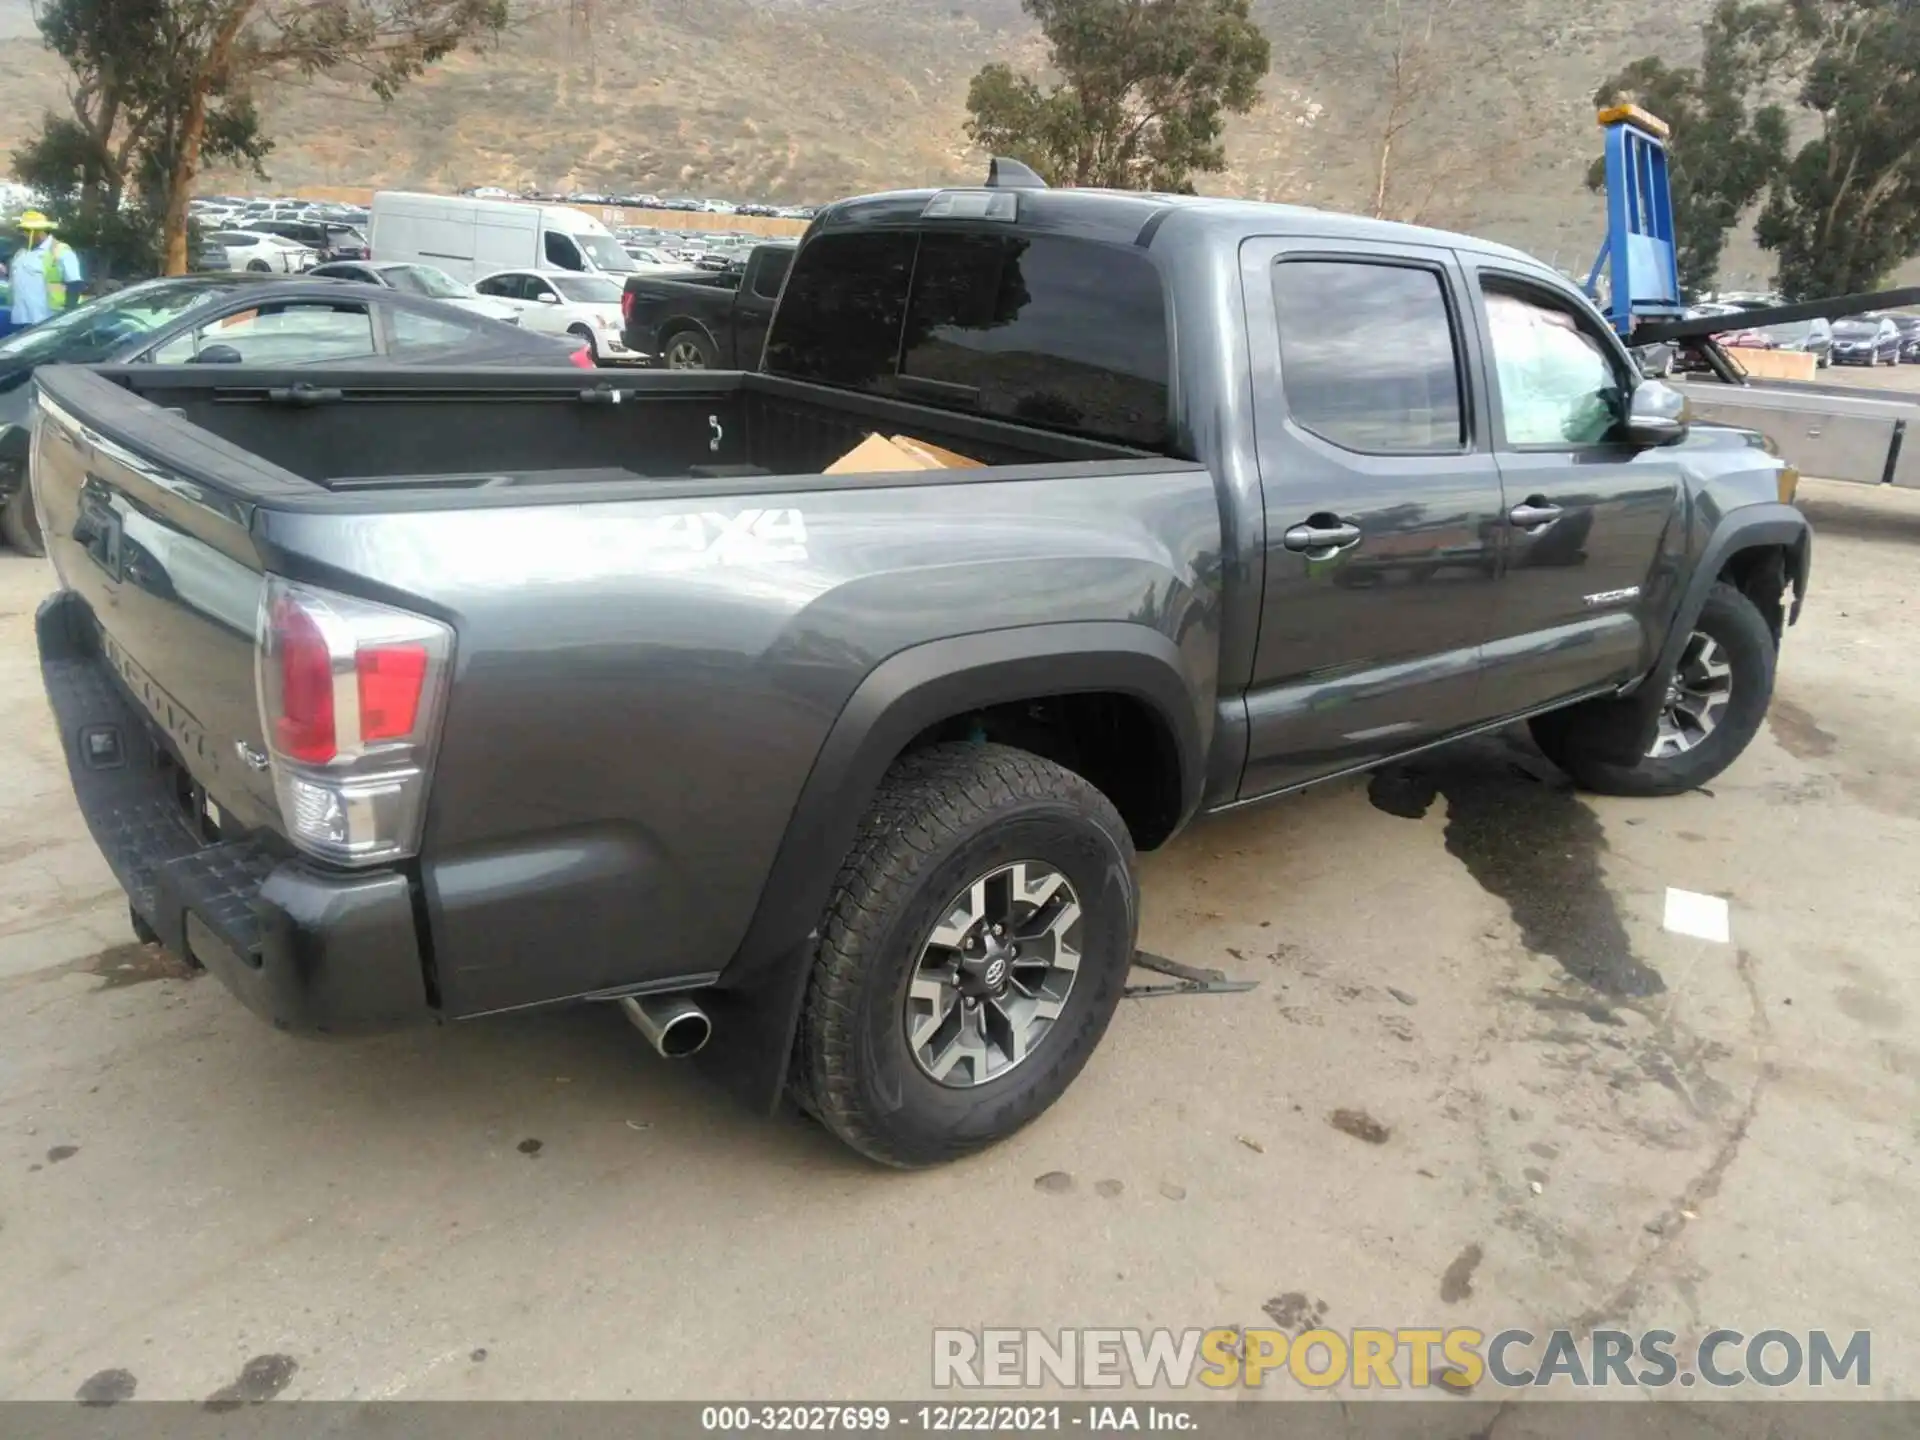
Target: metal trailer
pixel 1832 431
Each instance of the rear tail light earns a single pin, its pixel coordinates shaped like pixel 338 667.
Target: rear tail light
pixel 626 306
pixel 350 699
pixel 583 357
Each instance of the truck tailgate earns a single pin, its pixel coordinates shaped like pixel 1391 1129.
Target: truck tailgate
pixel 147 652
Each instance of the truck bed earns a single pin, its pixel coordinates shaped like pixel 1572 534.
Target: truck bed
pixel 645 578
pixel 470 435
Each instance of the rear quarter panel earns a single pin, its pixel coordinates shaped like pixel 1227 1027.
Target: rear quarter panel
pixel 642 687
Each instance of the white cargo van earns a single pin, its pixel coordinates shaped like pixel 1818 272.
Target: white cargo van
pixel 470 238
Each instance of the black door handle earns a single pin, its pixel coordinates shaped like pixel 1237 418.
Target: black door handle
pixel 1312 536
pixel 1534 512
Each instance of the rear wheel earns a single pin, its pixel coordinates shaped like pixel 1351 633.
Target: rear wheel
pixel 259 267
pixel 1714 704
pixel 689 350
pixel 972 955
pixel 18 522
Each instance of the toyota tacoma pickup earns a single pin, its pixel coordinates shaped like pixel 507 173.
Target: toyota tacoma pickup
pixel 706 320
pixel 399 696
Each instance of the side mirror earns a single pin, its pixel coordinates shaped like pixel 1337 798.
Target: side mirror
pixel 218 355
pixel 547 297
pixel 1657 414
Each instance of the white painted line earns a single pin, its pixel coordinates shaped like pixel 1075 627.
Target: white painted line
pixel 1704 916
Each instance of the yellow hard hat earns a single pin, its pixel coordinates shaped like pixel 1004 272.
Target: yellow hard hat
pixel 34 220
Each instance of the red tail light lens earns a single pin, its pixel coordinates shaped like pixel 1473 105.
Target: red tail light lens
pixel 350 695
pixel 583 358
pixel 391 679
pixel 626 306
pixel 303 728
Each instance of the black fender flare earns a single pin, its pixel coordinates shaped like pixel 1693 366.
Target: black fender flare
pixel 1625 723
pixel 1750 527
pixel 755 1005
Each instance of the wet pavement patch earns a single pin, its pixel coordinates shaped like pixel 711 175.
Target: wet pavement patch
pixel 1360 1125
pixel 259 1380
pixel 1054 1182
pixel 1799 735
pixel 134 964
pixel 529 1147
pixel 1457 1283
pixel 108 1387
pixel 62 1152
pixel 1528 840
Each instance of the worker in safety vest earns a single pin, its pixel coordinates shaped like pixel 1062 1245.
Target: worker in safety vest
pixel 44 274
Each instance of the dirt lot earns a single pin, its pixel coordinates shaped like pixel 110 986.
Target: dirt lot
pixel 1580 1117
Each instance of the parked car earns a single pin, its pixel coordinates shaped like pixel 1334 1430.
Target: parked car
pixel 262 253
pixel 706 319
pixel 1813 337
pixel 470 238
pixel 1909 328
pixel 1866 340
pixel 586 307
pixel 849 770
pixel 429 282
pixel 330 240
pixel 234 319
pixel 648 257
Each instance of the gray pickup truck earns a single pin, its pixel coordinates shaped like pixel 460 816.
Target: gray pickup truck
pixel 400 696
pixel 706 320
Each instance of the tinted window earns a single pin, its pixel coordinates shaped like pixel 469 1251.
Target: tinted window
pixel 839 320
pixel 561 251
pixel 1053 332
pixel 1367 356
pixel 1067 334
pixel 508 287
pixel 1558 384
pixel 774 265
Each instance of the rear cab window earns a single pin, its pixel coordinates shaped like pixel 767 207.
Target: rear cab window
pixel 1059 332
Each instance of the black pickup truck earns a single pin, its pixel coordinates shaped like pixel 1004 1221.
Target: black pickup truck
pixel 399 696
pixel 706 320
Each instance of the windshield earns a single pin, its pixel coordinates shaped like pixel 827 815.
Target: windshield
pixel 587 289
pixel 100 327
pixel 1857 329
pixel 605 252
pixel 426 280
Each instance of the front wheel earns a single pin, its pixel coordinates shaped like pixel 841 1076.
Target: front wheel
pixel 580 332
pixel 1713 706
pixel 972 955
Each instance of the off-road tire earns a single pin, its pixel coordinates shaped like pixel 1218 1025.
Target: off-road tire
pixel 19 525
pixel 943 816
pixel 1736 623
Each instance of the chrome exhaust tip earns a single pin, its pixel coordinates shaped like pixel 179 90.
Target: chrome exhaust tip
pixel 673 1024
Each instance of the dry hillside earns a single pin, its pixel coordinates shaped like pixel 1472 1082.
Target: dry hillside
pixel 807 99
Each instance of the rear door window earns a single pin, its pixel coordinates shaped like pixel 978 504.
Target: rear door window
pixel 1052 331
pixel 1368 356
